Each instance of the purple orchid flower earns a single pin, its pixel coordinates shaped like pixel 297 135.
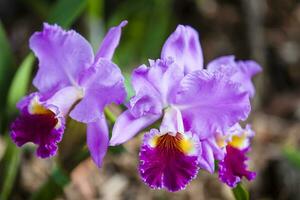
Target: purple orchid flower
pixel 233 167
pixel 206 101
pixel 70 73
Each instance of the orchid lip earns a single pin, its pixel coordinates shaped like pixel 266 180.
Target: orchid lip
pixel 39 124
pixel 168 160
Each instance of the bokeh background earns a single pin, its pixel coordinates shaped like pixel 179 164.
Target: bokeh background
pixel 267 31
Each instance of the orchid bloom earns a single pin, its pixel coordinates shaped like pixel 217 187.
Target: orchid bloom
pixel 69 73
pixel 205 100
pixel 233 167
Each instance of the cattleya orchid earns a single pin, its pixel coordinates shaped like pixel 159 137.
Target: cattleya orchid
pixel 69 73
pixel 196 105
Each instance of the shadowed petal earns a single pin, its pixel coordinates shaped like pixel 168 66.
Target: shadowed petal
pixel 62 55
pixel 104 84
pixel 110 42
pixel 184 47
pixel 210 102
pixel 128 126
pixel 97 140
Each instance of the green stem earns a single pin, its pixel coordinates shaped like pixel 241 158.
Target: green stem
pixel 240 192
pixel 110 116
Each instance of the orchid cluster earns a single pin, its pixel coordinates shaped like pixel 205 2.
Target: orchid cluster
pixel 199 109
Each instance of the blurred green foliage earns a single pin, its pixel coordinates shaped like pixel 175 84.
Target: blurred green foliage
pixel 292 155
pixel 6 71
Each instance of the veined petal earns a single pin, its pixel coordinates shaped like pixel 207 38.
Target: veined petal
pixel 184 47
pixel 39 123
pixel 103 84
pixel 110 42
pixel 237 71
pixel 97 139
pixel 63 56
pixel 127 126
pixel 210 102
pixel 168 160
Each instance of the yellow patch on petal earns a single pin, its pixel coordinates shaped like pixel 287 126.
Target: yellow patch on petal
pixel 38 109
pixel 187 146
pixel 239 141
pixel 153 141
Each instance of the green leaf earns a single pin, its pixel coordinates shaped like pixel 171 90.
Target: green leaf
pixel 292 155
pixel 20 83
pixel 6 70
pixel 9 168
pixel 240 193
pixel 65 12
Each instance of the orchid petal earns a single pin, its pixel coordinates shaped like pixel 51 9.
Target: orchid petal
pixel 104 84
pixel 184 47
pixel 161 79
pixel 210 102
pixel 206 159
pixel 63 56
pixel 238 71
pixel 97 139
pixel 110 42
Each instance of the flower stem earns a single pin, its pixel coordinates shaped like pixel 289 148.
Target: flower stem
pixel 240 192
pixel 110 116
